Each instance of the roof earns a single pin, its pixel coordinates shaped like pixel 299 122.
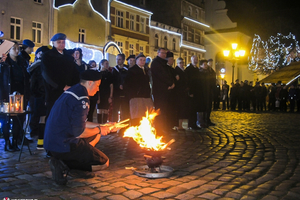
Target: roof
pixel 285 75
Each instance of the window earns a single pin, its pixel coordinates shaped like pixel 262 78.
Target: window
pixel 120 44
pixel 166 42
pixel 131 22
pixel 131 49
pixel 190 11
pixel 15 28
pixel 156 40
pixel 185 31
pixel 196 14
pixel 119 19
pixel 38 1
pixel 37 32
pixel 174 44
pixel 141 49
pixel 142 25
pixel 81 35
pixel 191 35
pixel 197 37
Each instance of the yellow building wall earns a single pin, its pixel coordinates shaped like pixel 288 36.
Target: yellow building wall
pixel 80 15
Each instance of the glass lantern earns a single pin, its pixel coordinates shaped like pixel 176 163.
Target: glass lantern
pixel 16 102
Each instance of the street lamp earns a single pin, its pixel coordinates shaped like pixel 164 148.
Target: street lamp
pixel 234 54
pixel 222 74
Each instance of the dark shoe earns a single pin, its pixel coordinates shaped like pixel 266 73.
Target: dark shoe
pixel 211 124
pixel 15 145
pixel 8 146
pixel 48 155
pixel 59 171
pixel 81 174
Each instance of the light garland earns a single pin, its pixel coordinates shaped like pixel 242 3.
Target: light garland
pixel 277 52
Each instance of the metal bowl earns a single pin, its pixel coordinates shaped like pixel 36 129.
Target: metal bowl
pixel 160 172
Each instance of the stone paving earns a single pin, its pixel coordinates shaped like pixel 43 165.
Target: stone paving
pixel 246 156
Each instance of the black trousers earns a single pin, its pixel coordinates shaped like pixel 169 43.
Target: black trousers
pixel 82 155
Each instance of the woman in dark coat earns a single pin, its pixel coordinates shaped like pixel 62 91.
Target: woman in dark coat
pixel 105 93
pixel 13 77
pixel 181 93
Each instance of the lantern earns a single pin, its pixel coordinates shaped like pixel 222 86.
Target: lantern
pixel 16 102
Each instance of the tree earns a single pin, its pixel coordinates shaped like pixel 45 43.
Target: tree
pixel 273 54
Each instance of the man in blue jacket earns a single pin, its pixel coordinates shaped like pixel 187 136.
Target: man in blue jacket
pixel 69 137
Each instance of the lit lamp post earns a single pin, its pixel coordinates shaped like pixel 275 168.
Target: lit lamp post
pixel 234 54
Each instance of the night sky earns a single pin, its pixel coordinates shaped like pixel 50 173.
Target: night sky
pixel 265 17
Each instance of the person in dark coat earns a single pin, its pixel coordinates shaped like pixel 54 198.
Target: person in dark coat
pixel 130 61
pixel 284 95
pixel 58 70
pixel 26 49
pixel 217 96
pixel 105 94
pixel 224 96
pixel 137 89
pixel 163 83
pixel 246 96
pixel 233 96
pixel 37 91
pixel 120 101
pixel 13 78
pixel 192 73
pixel 80 64
pixel 258 96
pixel 272 99
pixel 181 93
pixel 205 92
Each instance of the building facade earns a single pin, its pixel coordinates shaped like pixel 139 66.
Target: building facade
pixel 27 19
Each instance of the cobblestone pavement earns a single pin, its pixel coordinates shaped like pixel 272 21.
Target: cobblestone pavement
pixel 246 156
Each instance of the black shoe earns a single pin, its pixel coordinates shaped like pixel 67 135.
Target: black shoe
pixel 49 154
pixel 211 124
pixel 81 174
pixel 59 171
pixel 8 147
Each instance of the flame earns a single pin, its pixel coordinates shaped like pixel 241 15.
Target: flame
pixel 145 134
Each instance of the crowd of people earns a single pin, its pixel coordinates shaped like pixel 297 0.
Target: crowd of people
pixel 63 93
pixel 244 96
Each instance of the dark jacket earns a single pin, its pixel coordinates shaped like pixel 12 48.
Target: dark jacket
pixel 192 74
pixel 205 89
pixel 58 70
pixel 14 77
pixel 37 88
pixel 104 89
pixel 118 76
pixel 161 76
pixel 136 83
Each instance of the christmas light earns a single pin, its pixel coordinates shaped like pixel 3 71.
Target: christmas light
pixel 273 54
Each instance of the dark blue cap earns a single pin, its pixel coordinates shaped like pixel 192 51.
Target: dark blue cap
pixel 91 75
pixel 58 36
pixel 28 43
pixel 170 54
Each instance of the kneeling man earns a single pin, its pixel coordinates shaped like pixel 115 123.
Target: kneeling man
pixel 69 137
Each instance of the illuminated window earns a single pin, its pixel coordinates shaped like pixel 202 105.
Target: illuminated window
pixel 166 42
pixel 131 49
pixel 120 44
pixel 119 18
pixel 37 32
pixel 132 22
pixel 141 49
pixel 191 35
pixel 156 40
pixel 81 35
pixel 197 37
pixel 15 28
pixel 142 25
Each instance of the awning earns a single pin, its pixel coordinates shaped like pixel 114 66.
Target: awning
pixel 286 75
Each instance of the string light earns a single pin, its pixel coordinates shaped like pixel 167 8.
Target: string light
pixel 277 52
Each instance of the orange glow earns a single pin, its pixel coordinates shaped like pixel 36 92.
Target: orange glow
pixel 145 134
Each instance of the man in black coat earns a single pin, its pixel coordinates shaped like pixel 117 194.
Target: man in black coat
pixel 205 92
pixel 120 101
pixel 163 83
pixel 58 70
pixel 192 73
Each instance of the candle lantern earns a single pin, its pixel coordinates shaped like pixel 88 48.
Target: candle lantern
pixel 16 102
